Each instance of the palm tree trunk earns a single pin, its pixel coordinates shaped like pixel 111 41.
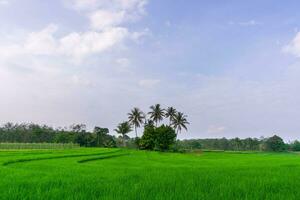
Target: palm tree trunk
pixel 176 134
pixel 135 132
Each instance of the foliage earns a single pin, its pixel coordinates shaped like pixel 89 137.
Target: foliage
pixel 77 134
pixel 170 114
pixel 123 129
pixel 136 118
pixel 165 138
pixel 180 121
pixel 156 114
pixel 158 138
pixel 275 143
pixel 188 144
pixel 148 139
pixel 235 144
pixel 295 146
pixel 103 138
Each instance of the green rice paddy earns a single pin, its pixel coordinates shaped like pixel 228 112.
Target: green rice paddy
pixel 84 173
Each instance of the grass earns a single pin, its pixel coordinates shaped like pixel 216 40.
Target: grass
pixel 128 174
pixel 38 146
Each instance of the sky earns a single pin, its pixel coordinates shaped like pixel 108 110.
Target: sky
pixel 231 66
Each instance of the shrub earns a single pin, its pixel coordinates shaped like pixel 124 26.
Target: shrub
pixel 295 146
pixel 165 138
pixel 160 138
pixel 148 139
pixel 275 143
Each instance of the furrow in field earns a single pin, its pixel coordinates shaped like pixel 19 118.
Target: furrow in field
pixel 55 157
pixel 102 158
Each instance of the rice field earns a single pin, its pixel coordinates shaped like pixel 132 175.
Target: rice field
pixel 38 146
pixel 95 173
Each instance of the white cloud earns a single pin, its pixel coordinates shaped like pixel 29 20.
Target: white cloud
pixel 102 19
pixel 129 5
pixel 107 29
pixel 216 129
pixel 294 46
pixel 75 46
pixel 38 77
pixel 42 42
pixel 4 2
pixel 83 4
pixel 149 83
pixel 246 23
pixel 124 62
pixel 77 80
pixel 78 45
pixel 136 36
pixel 109 13
pixel 250 23
pixel 123 65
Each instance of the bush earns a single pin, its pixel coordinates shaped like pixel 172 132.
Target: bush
pixel 190 144
pixel 275 143
pixel 148 139
pixel 295 146
pixel 160 138
pixel 165 138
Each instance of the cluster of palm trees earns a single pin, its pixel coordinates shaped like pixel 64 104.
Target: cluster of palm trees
pixel 137 118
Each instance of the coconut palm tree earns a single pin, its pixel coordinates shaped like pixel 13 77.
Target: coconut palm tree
pixel 180 122
pixel 123 128
pixel 170 113
pixel 149 122
pixel 136 118
pixel 156 113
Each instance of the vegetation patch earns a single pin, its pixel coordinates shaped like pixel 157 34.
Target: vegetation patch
pixel 147 175
pixel 55 157
pixel 102 158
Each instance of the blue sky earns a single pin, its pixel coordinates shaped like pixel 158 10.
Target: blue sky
pixel 231 66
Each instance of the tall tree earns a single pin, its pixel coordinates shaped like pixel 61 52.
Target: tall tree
pixel 123 128
pixel 100 135
pixel 157 113
pixel 180 122
pixel 136 118
pixel 170 113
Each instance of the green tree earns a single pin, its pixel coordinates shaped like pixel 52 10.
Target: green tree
pixel 275 143
pixel 157 113
pixel 295 146
pixel 100 135
pixel 79 130
pixel 136 117
pixel 166 137
pixel 170 113
pixel 158 138
pixel 180 121
pixel 149 123
pixel 123 128
pixel 148 139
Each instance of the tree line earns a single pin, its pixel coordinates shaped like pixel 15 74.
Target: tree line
pixel 274 143
pixel 155 136
pixel 77 134
pixel 160 130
